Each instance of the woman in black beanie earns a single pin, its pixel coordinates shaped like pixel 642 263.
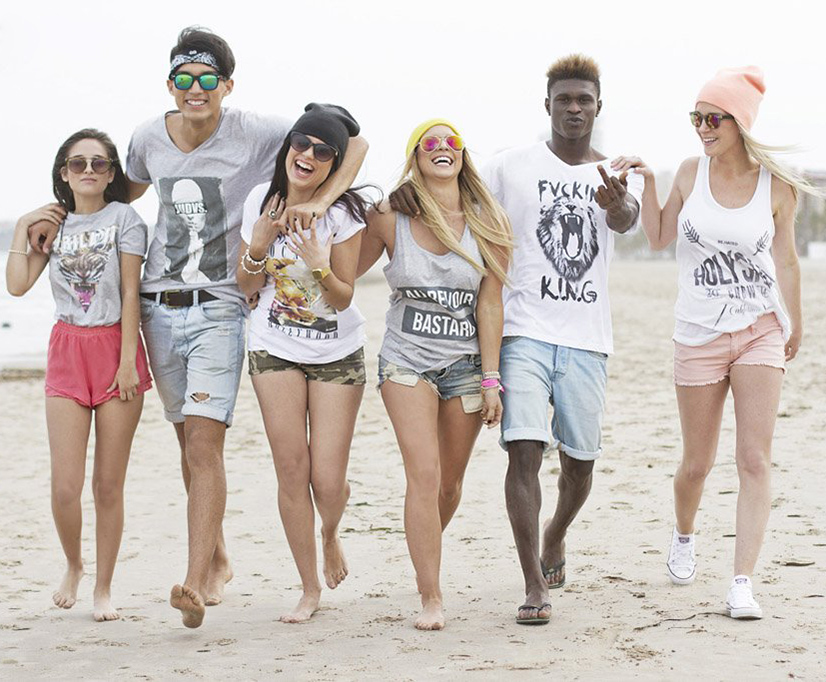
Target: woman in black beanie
pixel 306 339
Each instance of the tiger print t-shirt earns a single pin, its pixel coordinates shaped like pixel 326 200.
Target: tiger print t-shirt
pixel 558 289
pixel 84 266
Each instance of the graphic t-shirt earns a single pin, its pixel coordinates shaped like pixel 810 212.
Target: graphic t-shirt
pixel 727 278
pixel 559 275
pixel 201 196
pixel 292 320
pixel 84 264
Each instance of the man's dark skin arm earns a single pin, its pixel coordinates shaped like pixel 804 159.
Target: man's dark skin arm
pixel 403 200
pixel 621 208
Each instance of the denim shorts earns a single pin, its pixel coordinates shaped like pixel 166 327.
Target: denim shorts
pixel 462 379
pixel 196 354
pixel 536 374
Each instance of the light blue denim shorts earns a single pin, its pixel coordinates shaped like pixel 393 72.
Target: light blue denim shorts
pixel 536 374
pixel 462 379
pixel 196 354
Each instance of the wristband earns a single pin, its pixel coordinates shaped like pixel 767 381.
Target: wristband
pixel 488 384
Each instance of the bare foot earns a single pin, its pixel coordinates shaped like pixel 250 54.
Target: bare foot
pixel 65 596
pixel 103 609
pixel 335 565
pixel 218 577
pixel 189 603
pixel 431 617
pixel 307 606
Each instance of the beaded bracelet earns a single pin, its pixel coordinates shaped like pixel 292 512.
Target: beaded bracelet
pixel 262 263
pixel 491 375
pixel 20 251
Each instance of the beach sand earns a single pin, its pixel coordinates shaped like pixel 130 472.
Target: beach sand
pixel 618 616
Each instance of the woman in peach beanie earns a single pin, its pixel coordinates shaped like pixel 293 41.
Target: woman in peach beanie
pixel 731 212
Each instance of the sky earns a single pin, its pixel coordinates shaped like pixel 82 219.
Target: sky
pixel 70 65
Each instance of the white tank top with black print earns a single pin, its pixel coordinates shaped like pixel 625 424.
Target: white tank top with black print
pixel 727 277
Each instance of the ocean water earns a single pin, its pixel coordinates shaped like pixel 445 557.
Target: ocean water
pixel 25 324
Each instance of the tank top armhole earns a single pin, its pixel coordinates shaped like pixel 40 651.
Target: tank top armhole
pixel 764 184
pixel 702 181
pixel 398 236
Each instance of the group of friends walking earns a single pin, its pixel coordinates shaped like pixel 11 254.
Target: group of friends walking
pixel 498 309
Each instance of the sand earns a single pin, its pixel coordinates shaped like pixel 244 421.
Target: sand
pixel 619 615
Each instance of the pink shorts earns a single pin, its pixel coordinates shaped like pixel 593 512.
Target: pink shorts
pixel 761 343
pixel 83 362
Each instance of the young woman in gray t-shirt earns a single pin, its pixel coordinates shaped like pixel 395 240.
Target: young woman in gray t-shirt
pixel 439 362
pixel 96 362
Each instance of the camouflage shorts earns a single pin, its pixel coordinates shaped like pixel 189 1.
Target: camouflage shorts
pixel 348 371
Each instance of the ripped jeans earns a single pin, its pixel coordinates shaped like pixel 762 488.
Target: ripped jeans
pixel 196 354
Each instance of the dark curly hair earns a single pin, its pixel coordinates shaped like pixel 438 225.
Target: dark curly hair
pixel 116 190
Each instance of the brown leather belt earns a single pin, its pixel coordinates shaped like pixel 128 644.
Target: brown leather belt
pixel 175 298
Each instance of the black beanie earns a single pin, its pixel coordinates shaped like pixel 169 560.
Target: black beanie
pixel 328 122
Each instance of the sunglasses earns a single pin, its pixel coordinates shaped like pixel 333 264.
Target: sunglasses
pixel 712 120
pixel 433 142
pixel 184 80
pixel 78 164
pixel 322 152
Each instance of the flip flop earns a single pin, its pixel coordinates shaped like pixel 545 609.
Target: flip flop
pixel 536 620
pixel 548 571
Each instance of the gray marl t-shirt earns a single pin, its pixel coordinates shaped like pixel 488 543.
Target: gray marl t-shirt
pixel 201 194
pixel 84 265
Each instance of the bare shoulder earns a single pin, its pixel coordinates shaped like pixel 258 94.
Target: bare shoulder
pixel 783 195
pixel 381 219
pixel 686 175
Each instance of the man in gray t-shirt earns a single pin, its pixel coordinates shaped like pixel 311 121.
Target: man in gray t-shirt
pixel 203 160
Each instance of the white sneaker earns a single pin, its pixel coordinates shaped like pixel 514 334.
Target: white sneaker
pixel 740 602
pixel 681 562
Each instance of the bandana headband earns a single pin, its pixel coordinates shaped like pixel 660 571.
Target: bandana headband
pixel 194 57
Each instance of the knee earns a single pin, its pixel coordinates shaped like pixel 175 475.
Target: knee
pixel 424 477
pixel 451 491
pixel 695 471
pixel 575 473
pixel 753 462
pixel 328 491
pixel 293 475
pixel 107 492
pixel 65 494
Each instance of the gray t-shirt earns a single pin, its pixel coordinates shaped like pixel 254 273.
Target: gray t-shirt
pixel 201 194
pixel 431 322
pixel 84 265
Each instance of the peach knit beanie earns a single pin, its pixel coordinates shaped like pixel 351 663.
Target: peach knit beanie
pixel 738 91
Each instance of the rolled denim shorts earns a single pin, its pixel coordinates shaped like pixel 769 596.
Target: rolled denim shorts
pixel 462 379
pixel 537 374
pixel 196 354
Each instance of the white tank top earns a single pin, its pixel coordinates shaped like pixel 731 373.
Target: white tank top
pixel 727 277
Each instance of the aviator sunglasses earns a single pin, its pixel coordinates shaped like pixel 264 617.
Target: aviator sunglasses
pixel 78 164
pixel 712 120
pixel 184 80
pixel 433 142
pixel 322 152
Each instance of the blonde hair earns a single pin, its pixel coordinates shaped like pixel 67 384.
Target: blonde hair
pixel 764 155
pixel 486 219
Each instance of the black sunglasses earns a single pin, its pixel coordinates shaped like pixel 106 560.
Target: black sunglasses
pixel 712 120
pixel 321 151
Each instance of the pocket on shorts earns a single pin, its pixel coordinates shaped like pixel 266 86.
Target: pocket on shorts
pixel 472 403
pixel 596 354
pixel 221 311
pixel 403 376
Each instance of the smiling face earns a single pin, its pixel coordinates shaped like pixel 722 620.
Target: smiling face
pixel 197 104
pixel 443 163
pixel 87 184
pixel 573 105
pixel 718 140
pixel 304 171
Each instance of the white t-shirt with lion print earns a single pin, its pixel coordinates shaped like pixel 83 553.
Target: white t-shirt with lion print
pixel 558 289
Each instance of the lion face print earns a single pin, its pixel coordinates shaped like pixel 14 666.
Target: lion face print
pixel 82 259
pixel 567 233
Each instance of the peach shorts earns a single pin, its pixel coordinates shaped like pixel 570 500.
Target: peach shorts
pixel 761 343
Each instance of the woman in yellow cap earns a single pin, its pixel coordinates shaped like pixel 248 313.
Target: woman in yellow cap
pixel 439 362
